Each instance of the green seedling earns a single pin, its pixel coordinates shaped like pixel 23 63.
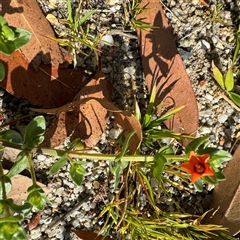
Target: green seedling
pixel 152 126
pixel 77 36
pixel 132 9
pixel 227 83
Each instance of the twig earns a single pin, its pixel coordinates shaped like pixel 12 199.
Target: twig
pixel 68 214
pixel 229 101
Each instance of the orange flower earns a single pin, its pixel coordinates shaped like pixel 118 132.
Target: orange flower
pixel 197 166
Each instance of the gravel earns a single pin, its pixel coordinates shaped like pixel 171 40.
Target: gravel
pixel 199 41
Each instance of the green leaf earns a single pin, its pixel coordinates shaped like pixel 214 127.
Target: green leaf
pixel 218 156
pixel 8 32
pixel 10 136
pixel 34 133
pixel 166 150
pixel 84 18
pixel 12 231
pixel 150 110
pixel 57 165
pixel 199 185
pixel 163 133
pixel 220 176
pixel 229 80
pixel 69 7
pixel 164 117
pixel 37 197
pixel 235 98
pixel 11 219
pixel 2 206
pixel 196 144
pixel 22 37
pixel 211 179
pixel 218 76
pixel 137 112
pixel 116 172
pixel 159 163
pixel 3 21
pixel 6 47
pixel 125 146
pixel 77 172
pixel 7 183
pixel 19 165
pixel 23 209
pixel 2 72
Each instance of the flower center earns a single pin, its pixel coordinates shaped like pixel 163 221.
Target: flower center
pixel 199 168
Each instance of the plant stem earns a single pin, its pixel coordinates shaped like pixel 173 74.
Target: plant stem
pixel 31 167
pixel 94 156
pixel 4 195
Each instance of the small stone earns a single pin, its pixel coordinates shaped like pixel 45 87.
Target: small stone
pixel 96 185
pixel 205 44
pixel 223 118
pixel 114 133
pixel 205 130
pixel 107 40
pixel 36 233
pixel 209 97
pixel 59 191
pixel 1 92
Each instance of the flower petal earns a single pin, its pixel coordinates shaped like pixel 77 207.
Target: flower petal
pixel 208 170
pixel 193 158
pixel 204 158
pixel 195 176
pixel 187 167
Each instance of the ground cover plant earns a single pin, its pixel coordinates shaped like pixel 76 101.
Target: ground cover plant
pixel 198 163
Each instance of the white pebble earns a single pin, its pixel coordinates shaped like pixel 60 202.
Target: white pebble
pixel 41 157
pixel 107 40
pixel 204 44
pixel 35 233
pixel 222 118
pixel 209 97
pixel 114 133
pixel 1 92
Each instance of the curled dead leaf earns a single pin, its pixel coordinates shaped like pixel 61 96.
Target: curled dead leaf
pixel 86 117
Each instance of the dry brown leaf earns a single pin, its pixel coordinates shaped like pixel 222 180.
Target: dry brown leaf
pixel 163 65
pixel 60 131
pixel 34 221
pixel 88 235
pixel 27 14
pixel 87 117
pixel 49 87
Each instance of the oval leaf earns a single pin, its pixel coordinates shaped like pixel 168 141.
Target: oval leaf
pixel 218 76
pixel 229 80
pixel 34 132
pixel 77 172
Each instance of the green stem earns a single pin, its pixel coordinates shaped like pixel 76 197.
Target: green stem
pixel 31 168
pixel 4 195
pixel 95 156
